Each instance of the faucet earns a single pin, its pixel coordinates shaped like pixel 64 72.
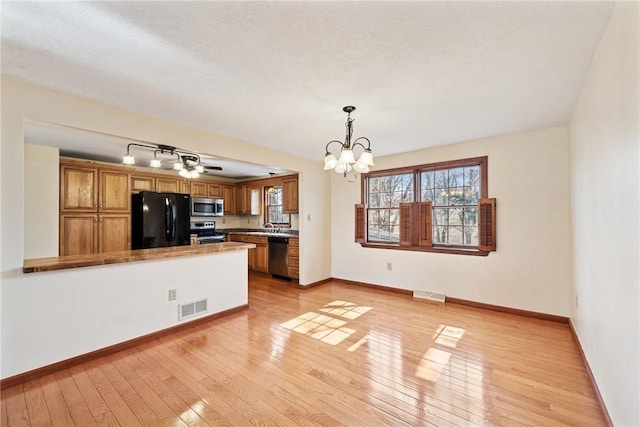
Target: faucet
pixel 269 225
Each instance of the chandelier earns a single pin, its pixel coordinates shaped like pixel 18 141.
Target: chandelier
pixel 346 162
pixel 186 163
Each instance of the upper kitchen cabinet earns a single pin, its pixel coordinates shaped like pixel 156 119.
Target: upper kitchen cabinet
pixel 143 183
pixel 78 188
pixel 229 197
pixel 198 189
pixel 290 195
pixel 90 189
pixel 168 185
pixel 115 195
pixel 214 191
pixel 249 199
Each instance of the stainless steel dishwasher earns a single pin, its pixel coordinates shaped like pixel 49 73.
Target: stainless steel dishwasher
pixel 279 256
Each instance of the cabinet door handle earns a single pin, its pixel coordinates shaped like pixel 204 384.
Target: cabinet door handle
pixel 100 206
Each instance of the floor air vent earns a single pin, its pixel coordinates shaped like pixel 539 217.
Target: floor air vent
pixel 193 308
pixel 430 295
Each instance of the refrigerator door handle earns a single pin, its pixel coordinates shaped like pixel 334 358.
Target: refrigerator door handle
pixel 168 220
pixel 172 215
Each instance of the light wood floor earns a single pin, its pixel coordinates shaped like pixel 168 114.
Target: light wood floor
pixel 333 355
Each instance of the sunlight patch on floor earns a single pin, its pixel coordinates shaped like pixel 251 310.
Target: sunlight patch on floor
pixel 345 309
pixel 448 335
pixel 324 328
pixel 327 328
pixel 432 363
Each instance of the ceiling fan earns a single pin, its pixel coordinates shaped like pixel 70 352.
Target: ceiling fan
pixel 191 162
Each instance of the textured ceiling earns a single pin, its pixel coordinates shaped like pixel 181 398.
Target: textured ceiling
pixel 421 74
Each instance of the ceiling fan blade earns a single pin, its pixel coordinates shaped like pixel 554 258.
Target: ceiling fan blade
pixel 213 168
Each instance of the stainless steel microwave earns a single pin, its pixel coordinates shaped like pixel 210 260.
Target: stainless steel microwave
pixel 206 207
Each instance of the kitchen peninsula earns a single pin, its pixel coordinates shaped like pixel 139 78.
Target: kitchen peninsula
pixel 88 260
pixel 114 300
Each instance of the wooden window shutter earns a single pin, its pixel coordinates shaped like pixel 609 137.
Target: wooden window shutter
pixel 360 224
pixel 425 229
pixel 405 224
pixel 487 224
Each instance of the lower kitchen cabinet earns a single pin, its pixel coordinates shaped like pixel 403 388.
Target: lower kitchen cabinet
pixel 294 258
pixel 114 233
pixel 258 258
pixel 94 233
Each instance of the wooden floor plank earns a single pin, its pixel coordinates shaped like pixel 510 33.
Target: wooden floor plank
pixel 17 411
pixel 58 409
pixel 95 403
pixel 36 404
pixel 336 354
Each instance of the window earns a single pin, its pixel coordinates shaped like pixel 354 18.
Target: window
pixel 436 207
pixel 454 195
pixel 273 207
pixel 385 195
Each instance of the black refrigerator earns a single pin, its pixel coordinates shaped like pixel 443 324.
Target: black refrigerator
pixel 159 220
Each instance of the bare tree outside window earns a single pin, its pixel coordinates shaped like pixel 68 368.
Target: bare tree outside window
pixel 385 195
pixel 454 194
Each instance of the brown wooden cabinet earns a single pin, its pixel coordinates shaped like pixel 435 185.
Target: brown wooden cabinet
pixel 290 195
pixel 114 232
pixel 243 200
pixel 198 189
pixel 214 191
pixel 86 233
pixel 78 188
pixel 78 234
pixel 87 189
pixel 95 205
pixel 168 185
pixel 115 195
pixel 229 197
pixel 143 183
pixel 294 258
pixel 261 262
pixel 258 258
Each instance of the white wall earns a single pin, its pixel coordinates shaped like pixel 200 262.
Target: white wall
pixel 531 268
pixel 52 316
pixel 41 201
pixel 604 164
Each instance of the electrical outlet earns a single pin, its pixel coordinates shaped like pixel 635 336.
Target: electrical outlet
pixel 389 266
pixel 308 217
pixel 172 294
pixel 576 301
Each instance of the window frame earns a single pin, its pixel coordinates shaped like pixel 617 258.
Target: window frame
pixel 416 170
pixel 266 205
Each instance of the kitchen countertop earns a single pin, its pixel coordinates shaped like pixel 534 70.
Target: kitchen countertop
pixel 265 234
pixel 75 261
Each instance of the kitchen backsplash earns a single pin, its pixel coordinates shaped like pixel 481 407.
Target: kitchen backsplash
pixel 244 221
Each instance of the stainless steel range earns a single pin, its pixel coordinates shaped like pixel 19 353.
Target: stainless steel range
pixel 206 232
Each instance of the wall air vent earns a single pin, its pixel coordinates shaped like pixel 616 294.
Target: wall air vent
pixel 191 309
pixel 430 295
